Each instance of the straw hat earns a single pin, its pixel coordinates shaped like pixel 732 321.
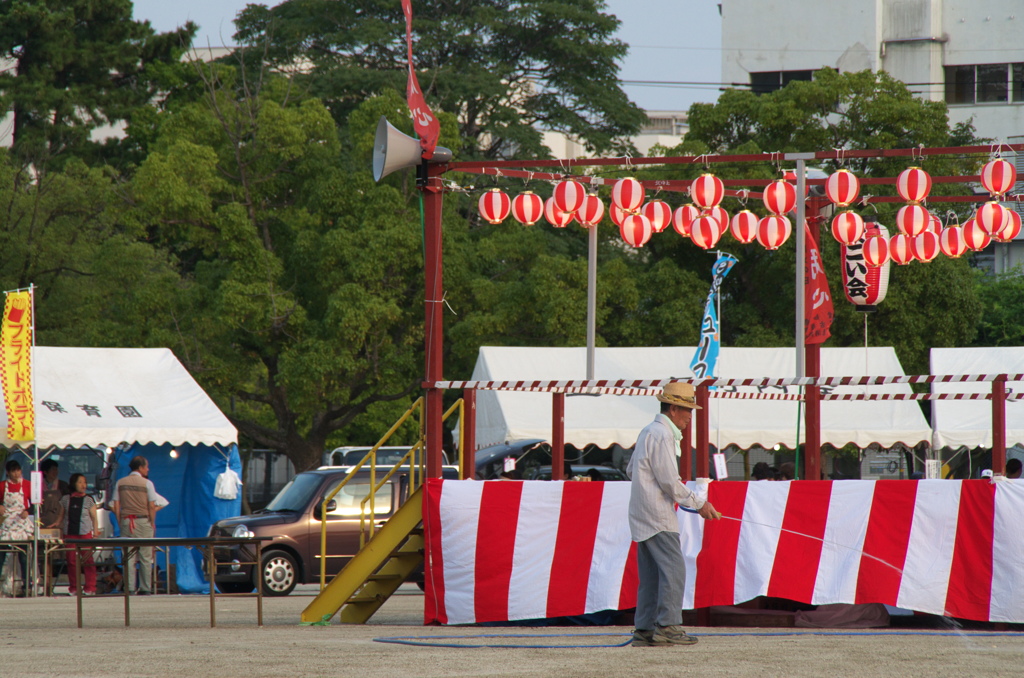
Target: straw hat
pixel 677 393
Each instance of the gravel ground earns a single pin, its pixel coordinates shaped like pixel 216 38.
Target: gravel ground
pixel 171 636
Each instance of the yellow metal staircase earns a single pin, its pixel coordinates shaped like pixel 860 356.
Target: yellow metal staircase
pixel 392 552
pixel 380 567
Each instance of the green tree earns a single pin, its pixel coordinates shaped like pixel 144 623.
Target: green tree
pixel 301 322
pixel 1002 297
pixel 927 305
pixel 506 68
pixel 98 282
pixel 78 65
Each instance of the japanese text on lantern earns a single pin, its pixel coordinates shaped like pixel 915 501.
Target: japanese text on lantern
pixel 16 365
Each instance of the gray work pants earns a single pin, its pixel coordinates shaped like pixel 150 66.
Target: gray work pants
pixel 143 530
pixel 662 572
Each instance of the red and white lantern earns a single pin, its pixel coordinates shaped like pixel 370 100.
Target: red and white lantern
pixel 617 215
pixel 527 208
pixel 636 230
pixel 993 217
pixel 876 250
pixel 592 211
pixel 866 280
pixel 779 197
pixel 998 176
pixel 952 242
pixel 842 187
pixel 913 184
pixel 773 231
pixel 744 226
pixel 899 249
pixel 707 190
pixel 659 213
pixel 1011 230
pixel 847 227
pixel 719 214
pixel 975 235
pixel 569 195
pixel 494 206
pixel 555 216
pixel 683 217
pixel 934 224
pixel 925 246
pixel 628 194
pixel 705 231
pixel 912 220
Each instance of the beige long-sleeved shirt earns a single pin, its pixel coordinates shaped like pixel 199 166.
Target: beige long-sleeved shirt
pixel 656 488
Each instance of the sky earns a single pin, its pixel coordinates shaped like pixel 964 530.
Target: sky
pixel 671 41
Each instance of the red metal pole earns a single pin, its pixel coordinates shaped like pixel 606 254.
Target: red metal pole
pixel 557 436
pixel 999 424
pixel 812 366
pixel 468 427
pixel 686 452
pixel 703 433
pixel 433 265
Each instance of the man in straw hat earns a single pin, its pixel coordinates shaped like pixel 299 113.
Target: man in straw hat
pixel 654 492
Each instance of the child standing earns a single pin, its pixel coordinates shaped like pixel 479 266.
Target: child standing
pixel 78 518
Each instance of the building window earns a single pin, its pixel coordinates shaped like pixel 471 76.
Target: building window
pixel 769 81
pixel 985 83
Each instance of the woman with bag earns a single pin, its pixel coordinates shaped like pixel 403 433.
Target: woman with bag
pixel 78 520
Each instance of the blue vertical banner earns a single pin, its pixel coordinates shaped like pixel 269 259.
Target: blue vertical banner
pixel 704 360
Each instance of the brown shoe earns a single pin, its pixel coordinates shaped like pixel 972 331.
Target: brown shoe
pixel 642 638
pixel 671 635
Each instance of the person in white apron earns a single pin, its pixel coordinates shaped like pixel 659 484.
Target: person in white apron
pixel 17 521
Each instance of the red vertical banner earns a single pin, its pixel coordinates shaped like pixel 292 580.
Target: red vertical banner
pixel 16 365
pixel 818 300
pixel 427 127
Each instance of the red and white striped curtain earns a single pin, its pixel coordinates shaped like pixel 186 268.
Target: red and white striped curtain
pixel 509 550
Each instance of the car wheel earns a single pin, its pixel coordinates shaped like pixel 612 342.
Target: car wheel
pixel 235 587
pixel 278 574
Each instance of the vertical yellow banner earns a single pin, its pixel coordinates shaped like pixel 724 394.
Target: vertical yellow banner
pixel 16 365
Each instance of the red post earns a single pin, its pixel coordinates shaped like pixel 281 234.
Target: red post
pixel 812 367
pixel 999 424
pixel 557 436
pixel 433 265
pixel 703 432
pixel 686 452
pixel 468 428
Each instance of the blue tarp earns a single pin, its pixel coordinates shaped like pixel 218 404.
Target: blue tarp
pixel 187 482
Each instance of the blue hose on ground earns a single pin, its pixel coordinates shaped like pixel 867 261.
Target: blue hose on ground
pixel 420 641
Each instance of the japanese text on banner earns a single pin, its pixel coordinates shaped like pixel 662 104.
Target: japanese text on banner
pixel 16 365
pixel 423 119
pixel 706 356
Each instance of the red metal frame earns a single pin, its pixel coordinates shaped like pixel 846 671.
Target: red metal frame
pixel 432 190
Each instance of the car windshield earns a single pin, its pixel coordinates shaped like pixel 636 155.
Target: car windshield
pixel 296 494
pixel 384 457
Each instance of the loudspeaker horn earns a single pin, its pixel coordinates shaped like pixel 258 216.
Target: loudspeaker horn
pixel 393 150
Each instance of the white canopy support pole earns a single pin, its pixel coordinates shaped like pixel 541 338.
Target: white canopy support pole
pixel 591 299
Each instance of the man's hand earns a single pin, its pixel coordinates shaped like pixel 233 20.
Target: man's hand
pixel 708 512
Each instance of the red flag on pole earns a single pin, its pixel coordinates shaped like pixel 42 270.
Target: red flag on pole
pixel 427 127
pixel 818 300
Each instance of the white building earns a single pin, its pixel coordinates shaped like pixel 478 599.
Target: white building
pixel 968 53
pixel 665 128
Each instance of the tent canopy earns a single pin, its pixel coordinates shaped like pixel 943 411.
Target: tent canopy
pixel 969 422
pixel 106 396
pixel 610 419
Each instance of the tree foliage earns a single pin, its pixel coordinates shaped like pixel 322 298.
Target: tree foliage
pixel 506 68
pixel 78 65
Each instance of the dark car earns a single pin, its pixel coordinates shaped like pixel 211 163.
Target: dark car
pixel 578 471
pixel 291 521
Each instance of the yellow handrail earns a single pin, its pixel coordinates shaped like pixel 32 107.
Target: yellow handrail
pixel 415 479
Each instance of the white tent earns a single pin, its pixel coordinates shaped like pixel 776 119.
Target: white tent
pixel 969 422
pixel 106 396
pixel 504 416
